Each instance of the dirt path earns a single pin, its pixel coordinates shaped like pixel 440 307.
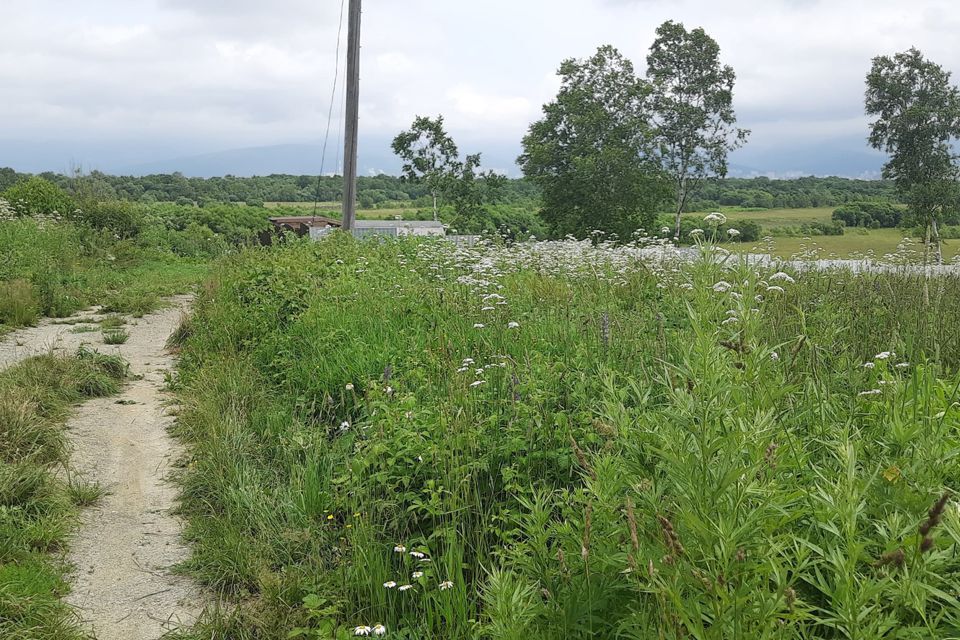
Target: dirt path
pixel 123 588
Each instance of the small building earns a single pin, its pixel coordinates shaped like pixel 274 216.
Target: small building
pixel 387 228
pixel 303 225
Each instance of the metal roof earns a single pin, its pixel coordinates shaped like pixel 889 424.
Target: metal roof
pixel 396 224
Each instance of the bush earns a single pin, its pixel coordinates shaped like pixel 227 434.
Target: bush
pixel 38 197
pixel 121 218
pixel 874 215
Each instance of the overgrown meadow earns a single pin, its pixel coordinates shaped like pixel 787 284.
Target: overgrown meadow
pixel 569 439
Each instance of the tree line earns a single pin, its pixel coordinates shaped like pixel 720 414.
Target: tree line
pixel 751 193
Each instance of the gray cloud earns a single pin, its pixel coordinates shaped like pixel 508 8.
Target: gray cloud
pixel 113 78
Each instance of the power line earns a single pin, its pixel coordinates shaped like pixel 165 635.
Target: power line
pixel 333 95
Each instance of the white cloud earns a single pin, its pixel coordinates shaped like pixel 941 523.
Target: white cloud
pixel 215 74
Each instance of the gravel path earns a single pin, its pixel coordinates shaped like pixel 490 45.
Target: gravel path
pixel 123 588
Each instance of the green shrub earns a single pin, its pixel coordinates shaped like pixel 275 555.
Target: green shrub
pixel 120 218
pixel 36 197
pixel 875 215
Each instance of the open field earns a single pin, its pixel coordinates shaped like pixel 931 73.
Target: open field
pixel 333 209
pixel 560 440
pixel 776 217
pixel 854 243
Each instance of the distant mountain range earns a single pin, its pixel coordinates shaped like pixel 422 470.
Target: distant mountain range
pixel 848 157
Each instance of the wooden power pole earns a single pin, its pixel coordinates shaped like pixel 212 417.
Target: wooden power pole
pixel 351 143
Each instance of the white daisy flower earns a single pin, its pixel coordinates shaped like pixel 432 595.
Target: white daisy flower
pixel 513 325
pixel 379 630
pixel 405 587
pixel 362 631
pixel 400 548
pixel 389 584
pixel 417 575
pixel 446 584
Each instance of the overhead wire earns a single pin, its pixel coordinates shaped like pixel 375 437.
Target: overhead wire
pixel 333 96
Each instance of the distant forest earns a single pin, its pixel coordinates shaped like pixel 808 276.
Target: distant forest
pixel 386 191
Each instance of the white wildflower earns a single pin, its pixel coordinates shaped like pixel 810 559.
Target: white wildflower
pixel 379 630
pixel 417 575
pixel 390 584
pixel 362 631
pixel 446 584
pixel 417 554
pixel 722 286
pixel 780 275
pixel 868 365
pixel 400 548
pixel 696 232
pixel 774 356
pixel 774 289
pixel 733 233
pixel 513 325
pixel 715 217
pixel 405 587
pixel 871 392
pixel 902 365
pixel 349 386
pixel 477 383
pixel 478 325
pixel 882 356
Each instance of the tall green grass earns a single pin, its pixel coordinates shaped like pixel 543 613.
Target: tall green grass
pixel 563 440
pixel 37 506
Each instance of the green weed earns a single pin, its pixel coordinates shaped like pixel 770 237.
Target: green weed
pixel 568 440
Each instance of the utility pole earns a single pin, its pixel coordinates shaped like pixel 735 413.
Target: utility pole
pixel 351 144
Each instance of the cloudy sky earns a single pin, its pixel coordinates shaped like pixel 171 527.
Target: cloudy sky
pixel 120 84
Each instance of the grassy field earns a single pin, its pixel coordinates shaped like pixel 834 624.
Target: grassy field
pixel 333 209
pixel 854 243
pixel 559 441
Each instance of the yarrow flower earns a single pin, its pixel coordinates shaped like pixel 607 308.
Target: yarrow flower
pixel 868 365
pixel 477 383
pixel 417 575
pixel 882 356
pixel 715 217
pixel 446 584
pixel 696 232
pixel 774 288
pixel 722 287
pixel 390 584
pixel 780 275
pixel 733 233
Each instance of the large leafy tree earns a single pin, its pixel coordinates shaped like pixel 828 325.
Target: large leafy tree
pixel 429 156
pixel 692 100
pixel 591 153
pixel 917 114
